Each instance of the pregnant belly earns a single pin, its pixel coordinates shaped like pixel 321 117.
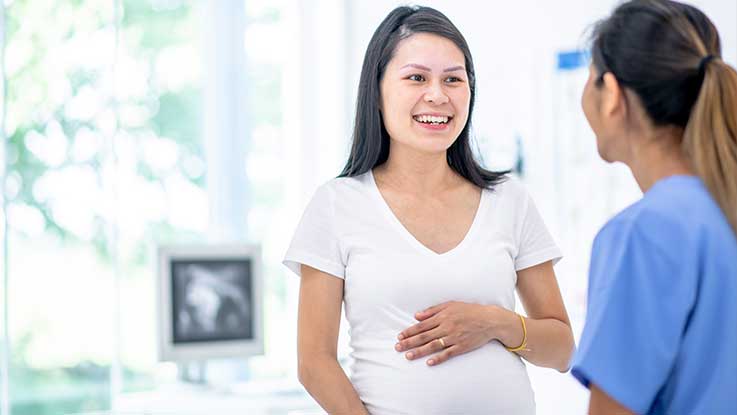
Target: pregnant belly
pixel 488 380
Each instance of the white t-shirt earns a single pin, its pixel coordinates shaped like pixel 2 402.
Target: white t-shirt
pixel 349 231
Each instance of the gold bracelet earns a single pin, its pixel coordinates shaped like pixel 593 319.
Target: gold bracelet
pixel 522 346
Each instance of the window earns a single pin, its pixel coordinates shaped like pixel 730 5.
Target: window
pixel 59 258
pixel 108 153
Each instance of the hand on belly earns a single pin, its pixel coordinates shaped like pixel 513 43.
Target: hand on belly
pixel 447 330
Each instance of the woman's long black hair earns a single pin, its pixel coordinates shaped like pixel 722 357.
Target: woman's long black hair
pixel 370 139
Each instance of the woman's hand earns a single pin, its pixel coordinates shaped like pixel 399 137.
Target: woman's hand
pixel 464 327
pixel 448 329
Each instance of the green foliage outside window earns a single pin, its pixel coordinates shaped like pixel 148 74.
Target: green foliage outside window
pixel 104 143
pixel 73 104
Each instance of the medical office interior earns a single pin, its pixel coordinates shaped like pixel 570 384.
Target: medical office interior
pixel 147 142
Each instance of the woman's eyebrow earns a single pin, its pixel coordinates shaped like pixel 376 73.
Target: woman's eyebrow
pixel 425 68
pixel 455 68
pixel 416 66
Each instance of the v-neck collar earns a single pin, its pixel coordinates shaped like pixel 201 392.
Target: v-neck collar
pixel 392 218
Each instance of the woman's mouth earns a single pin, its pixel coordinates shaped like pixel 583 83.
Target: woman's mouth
pixel 432 119
pixel 433 122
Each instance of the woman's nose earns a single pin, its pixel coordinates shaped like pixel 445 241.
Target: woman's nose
pixel 435 94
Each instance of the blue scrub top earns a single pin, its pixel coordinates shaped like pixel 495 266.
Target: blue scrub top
pixel 661 323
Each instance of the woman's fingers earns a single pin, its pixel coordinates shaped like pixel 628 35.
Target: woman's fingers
pixel 432 346
pixel 418 340
pixel 440 351
pixel 429 312
pixel 446 354
pixel 420 327
pixel 462 326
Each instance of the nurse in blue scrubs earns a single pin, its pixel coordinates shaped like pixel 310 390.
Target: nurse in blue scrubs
pixel 661 325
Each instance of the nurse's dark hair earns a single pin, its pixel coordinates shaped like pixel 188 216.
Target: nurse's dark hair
pixel 669 54
pixel 370 147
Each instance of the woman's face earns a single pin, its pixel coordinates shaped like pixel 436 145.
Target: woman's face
pixel 425 94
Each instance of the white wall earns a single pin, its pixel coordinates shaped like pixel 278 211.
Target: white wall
pixel 724 15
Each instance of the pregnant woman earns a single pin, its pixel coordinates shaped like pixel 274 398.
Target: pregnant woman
pixel 425 248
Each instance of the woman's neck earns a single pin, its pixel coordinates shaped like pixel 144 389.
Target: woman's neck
pixel 659 156
pixel 411 171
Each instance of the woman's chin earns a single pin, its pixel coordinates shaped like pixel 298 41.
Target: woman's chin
pixel 433 146
pixel 605 152
pixel 433 143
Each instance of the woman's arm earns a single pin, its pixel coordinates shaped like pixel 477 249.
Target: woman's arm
pixel 603 404
pixel 320 299
pixel 549 334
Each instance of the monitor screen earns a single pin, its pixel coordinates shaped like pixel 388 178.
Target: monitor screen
pixel 211 300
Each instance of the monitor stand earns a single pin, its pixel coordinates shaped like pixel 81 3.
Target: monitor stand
pixel 192 372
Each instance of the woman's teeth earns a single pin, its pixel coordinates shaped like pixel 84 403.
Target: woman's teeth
pixel 432 119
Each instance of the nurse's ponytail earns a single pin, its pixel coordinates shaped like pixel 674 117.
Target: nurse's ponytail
pixel 710 139
pixel 669 54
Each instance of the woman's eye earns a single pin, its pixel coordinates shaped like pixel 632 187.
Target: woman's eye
pixel 416 78
pixel 451 79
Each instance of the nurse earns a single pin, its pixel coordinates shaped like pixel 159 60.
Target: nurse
pixel 661 326
pixel 425 248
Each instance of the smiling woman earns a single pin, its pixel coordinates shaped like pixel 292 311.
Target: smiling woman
pixel 421 99
pixel 424 247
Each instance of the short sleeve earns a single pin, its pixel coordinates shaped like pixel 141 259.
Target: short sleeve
pixel 638 302
pixel 535 244
pixel 315 242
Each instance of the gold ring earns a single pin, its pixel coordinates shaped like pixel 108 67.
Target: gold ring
pixel 442 343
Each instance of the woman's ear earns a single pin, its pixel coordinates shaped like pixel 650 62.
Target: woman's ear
pixel 613 98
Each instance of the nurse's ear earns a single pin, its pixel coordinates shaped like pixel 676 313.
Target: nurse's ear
pixel 613 103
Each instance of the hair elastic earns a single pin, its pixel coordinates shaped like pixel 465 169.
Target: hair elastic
pixel 702 65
